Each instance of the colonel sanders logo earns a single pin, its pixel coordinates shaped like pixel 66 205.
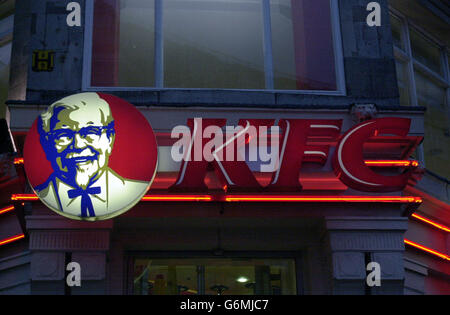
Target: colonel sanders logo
pixel 86 141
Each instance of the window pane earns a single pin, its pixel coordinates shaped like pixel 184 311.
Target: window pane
pixel 213 44
pixel 214 276
pixel 136 56
pixel 397 32
pixel 403 82
pixel 6 32
pixel 425 52
pixel 218 44
pixel 123 43
pixel 437 124
pixel 165 277
pixel 302 43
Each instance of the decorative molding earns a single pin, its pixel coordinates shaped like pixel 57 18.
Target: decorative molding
pixel 4 289
pixel 348 266
pixel 415 266
pixel 415 275
pixel 366 233
pixel 391 265
pixel 93 265
pixel 366 223
pixel 14 273
pixel 51 222
pixel 366 241
pixel 46 266
pixel 15 260
pixel 89 240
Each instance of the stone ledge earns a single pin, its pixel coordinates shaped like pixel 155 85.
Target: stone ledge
pixel 15 260
pixel 366 223
pixel 415 266
pixel 367 241
pixel 89 240
pixel 14 285
pixel 52 222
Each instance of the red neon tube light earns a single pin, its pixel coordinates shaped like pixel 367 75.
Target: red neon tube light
pixel 31 197
pixel 177 198
pixel 378 163
pixel 24 197
pixel 7 209
pixel 392 163
pixel 259 198
pixel 437 225
pixel 12 239
pixel 255 198
pixel 428 250
pixel 18 161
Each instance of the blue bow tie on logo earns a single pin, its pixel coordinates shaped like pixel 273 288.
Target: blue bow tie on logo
pixel 86 202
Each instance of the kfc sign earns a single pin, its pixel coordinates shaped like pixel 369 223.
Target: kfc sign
pixel 90 156
pixel 291 144
pixel 93 156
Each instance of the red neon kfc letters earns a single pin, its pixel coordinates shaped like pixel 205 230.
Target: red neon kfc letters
pixel 295 149
pixel 302 140
pixel 192 173
pixel 348 159
pixel 233 172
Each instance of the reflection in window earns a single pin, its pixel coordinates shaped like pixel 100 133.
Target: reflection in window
pixel 425 52
pixel 302 44
pixel 423 80
pixel 120 55
pixel 403 82
pixel 213 44
pixel 437 124
pixel 397 32
pixel 232 44
pixel 214 277
pixel 136 19
pixel 6 32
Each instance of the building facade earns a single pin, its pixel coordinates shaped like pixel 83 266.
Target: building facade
pixel 239 60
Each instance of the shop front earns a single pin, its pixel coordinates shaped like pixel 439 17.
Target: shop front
pixel 226 227
pixel 246 147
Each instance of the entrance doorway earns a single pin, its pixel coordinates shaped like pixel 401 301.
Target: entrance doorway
pixel 214 276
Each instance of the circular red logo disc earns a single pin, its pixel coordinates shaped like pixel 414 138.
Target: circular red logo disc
pixel 90 156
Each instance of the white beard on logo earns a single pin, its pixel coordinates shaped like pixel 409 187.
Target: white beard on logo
pixel 85 173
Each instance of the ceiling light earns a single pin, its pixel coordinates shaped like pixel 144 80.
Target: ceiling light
pixel 242 279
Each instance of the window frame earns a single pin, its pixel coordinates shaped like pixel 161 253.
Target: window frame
pixel 406 57
pixel 6 38
pixel 267 50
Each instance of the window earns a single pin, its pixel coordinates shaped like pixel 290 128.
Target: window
pixel 424 80
pixel 215 44
pixel 403 82
pixel 397 32
pixel 214 276
pixel 6 33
